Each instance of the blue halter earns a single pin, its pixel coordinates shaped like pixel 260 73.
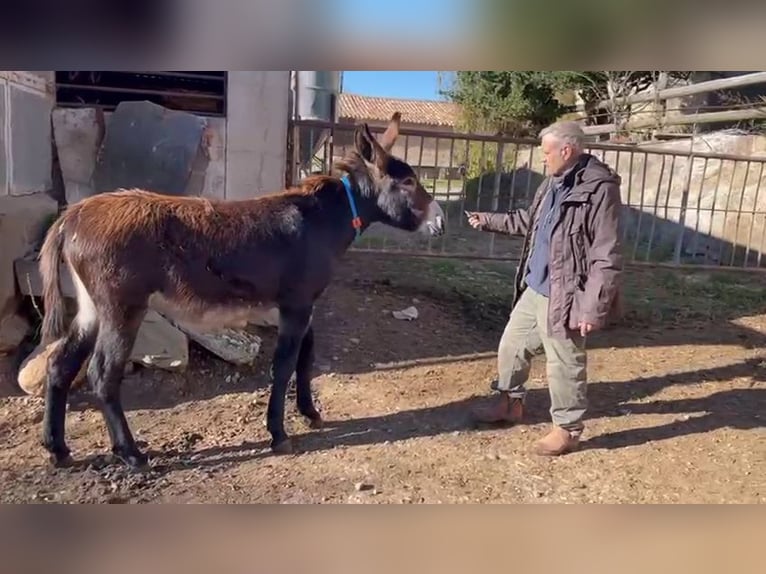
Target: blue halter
pixel 356 222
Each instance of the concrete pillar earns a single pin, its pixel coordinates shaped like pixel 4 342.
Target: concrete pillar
pixel 256 132
pixel 26 101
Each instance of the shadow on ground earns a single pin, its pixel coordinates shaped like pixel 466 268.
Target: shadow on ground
pixel 741 409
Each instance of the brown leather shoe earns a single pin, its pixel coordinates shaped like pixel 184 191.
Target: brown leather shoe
pixel 557 442
pixel 504 410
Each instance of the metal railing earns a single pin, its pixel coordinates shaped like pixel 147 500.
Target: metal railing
pixel 681 207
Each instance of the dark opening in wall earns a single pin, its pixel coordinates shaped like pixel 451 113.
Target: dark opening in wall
pixel 202 93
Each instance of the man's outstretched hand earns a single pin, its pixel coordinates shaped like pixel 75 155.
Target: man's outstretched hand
pixel 474 220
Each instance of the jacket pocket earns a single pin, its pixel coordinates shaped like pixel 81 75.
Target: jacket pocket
pixel 579 255
pixel 575 309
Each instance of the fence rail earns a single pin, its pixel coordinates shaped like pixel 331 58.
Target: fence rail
pixel 682 207
pixel 663 117
pixel 705 87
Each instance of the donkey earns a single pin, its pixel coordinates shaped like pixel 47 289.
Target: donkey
pixel 213 264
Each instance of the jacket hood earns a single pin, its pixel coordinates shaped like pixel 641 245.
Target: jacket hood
pixel 595 172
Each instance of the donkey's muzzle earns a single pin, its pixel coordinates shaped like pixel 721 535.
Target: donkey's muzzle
pixel 436 227
pixel 434 222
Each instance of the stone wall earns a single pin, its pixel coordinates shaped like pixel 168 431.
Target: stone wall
pixel 26 101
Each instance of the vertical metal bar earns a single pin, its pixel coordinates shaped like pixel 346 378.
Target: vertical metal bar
pixel 670 186
pixel 496 189
pixel 464 178
pixel 448 203
pixel 512 199
pixel 735 243
pixel 657 204
pixel 628 195
pixel 420 154
pixel 296 153
pixel 331 147
pixel 435 178
pixel 527 192
pixel 763 242
pixel 482 169
pixel 726 213
pixel 752 217
pixel 695 239
pixel 311 152
pixel 641 204
pixel 682 213
pixel 712 210
pixel 482 158
pixel 324 159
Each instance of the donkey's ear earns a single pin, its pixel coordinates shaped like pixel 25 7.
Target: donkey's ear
pixel 388 138
pixel 368 147
pixel 363 142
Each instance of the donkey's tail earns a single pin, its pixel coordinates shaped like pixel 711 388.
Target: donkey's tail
pixel 50 258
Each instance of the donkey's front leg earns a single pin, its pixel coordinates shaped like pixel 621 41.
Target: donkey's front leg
pixel 293 324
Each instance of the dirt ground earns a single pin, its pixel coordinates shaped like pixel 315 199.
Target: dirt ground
pixel 677 405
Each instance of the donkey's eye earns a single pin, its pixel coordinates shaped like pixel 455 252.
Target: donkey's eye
pixel 409 182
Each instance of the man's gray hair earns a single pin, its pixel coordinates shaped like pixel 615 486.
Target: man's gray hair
pixel 567 132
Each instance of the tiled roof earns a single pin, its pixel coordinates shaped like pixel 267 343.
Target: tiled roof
pixel 356 107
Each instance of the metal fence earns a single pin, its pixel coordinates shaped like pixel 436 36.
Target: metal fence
pixel 682 207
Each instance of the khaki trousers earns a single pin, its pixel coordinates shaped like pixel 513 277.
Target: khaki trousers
pixel 566 362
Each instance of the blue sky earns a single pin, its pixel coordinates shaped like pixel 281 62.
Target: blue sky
pixel 393 84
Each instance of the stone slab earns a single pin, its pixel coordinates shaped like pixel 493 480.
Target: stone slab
pixel 231 345
pixel 150 147
pixel 78 133
pixel 23 222
pixel 160 345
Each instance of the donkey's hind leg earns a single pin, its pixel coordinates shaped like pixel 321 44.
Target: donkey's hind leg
pixel 106 371
pixel 64 363
pixel 303 372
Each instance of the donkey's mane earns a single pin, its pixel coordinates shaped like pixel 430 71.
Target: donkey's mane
pixel 352 165
pixel 358 170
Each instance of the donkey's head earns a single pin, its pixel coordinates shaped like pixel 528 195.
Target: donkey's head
pixel 400 198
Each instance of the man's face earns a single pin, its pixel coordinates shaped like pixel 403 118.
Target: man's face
pixel 557 156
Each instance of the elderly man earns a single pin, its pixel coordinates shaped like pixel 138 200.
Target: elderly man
pixel 566 284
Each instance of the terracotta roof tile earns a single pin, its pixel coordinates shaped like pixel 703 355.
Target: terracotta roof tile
pixel 356 107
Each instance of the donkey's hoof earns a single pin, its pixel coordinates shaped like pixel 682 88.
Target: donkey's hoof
pixel 283 447
pixel 61 460
pixel 316 423
pixel 138 464
pixel 136 461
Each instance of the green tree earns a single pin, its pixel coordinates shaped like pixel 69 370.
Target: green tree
pixel 512 103
pixel 516 104
pixel 522 103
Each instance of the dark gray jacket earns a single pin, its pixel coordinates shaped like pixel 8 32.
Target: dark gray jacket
pixel 585 249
